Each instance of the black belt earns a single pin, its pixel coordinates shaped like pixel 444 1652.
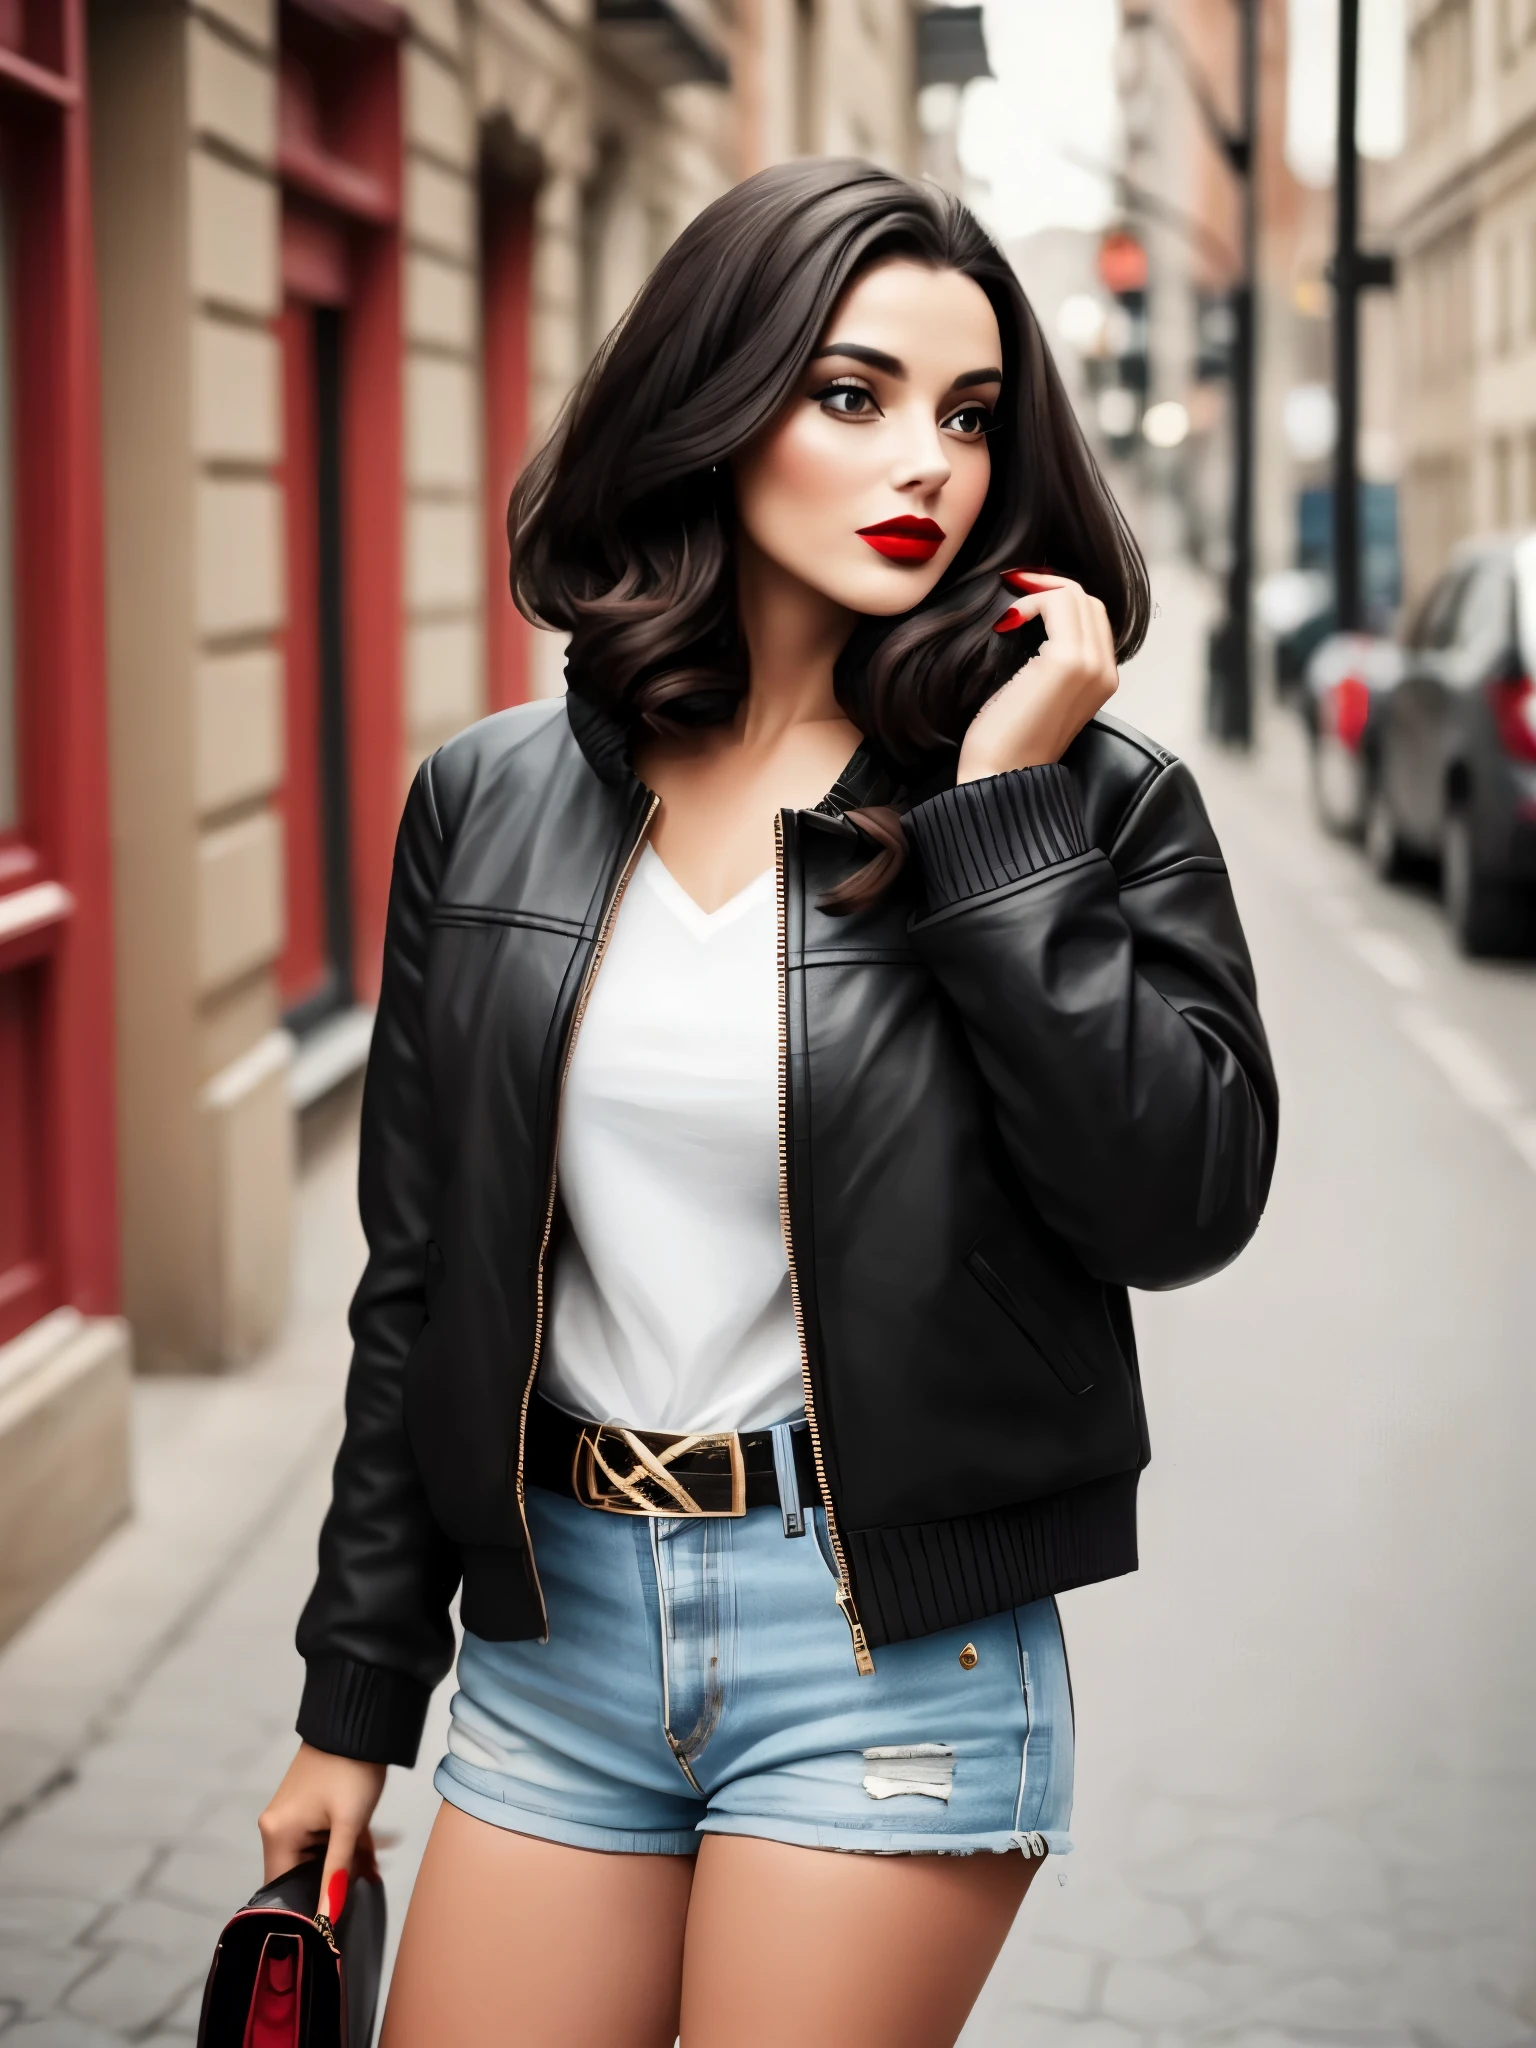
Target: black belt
pixel 623 1471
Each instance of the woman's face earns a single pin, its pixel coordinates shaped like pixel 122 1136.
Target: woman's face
pixel 869 481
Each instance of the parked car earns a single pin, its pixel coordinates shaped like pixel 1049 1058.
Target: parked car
pixel 1347 683
pixel 1456 746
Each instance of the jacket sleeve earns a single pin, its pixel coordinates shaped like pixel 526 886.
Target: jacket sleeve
pixel 375 1634
pixel 1109 1002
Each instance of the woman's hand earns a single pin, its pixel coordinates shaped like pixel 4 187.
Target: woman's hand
pixel 1036 716
pixel 321 1796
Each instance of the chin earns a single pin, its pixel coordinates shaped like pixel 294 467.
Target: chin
pixel 883 594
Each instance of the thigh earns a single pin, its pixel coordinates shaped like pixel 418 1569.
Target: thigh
pixel 823 1948
pixel 513 1938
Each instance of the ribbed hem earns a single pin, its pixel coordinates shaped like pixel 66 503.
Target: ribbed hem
pixel 362 1711
pixel 937 1575
pixel 984 835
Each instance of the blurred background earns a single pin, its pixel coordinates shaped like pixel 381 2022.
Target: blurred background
pixel 287 290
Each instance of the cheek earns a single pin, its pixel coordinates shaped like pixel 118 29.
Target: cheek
pixel 797 476
pixel 968 488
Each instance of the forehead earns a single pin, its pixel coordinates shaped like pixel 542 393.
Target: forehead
pixel 928 318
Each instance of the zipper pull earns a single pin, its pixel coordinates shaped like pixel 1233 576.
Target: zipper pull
pixel 864 1663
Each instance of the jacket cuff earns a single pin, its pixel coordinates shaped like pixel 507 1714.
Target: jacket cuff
pixel 983 835
pixel 362 1711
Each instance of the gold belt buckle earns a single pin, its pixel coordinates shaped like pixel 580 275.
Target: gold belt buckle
pixel 635 1472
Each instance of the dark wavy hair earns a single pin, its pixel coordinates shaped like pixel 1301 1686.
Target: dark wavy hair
pixel 622 525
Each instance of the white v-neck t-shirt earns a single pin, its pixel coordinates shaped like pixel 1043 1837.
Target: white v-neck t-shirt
pixel 671 1305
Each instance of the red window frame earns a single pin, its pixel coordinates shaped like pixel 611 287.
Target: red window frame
pixel 339 158
pixel 58 1202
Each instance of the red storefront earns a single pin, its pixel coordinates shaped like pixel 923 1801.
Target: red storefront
pixel 58 1218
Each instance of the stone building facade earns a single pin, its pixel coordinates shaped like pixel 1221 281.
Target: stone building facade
pixel 1461 211
pixel 337 263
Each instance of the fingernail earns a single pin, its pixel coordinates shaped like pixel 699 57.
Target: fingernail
pixel 335 1896
pixel 1011 618
pixel 1022 578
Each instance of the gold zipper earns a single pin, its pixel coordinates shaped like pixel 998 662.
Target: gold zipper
pixel 861 1656
pixel 582 996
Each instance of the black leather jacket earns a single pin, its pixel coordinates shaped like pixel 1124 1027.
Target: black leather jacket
pixel 1032 1076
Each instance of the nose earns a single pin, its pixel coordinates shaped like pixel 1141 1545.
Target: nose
pixel 922 467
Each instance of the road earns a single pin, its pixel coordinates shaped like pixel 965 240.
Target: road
pixel 1307 1801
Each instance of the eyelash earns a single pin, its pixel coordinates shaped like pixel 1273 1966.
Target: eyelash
pixel 828 392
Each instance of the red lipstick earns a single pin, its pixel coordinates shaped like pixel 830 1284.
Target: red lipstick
pixel 905 539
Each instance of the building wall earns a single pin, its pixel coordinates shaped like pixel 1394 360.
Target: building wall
pixel 1463 214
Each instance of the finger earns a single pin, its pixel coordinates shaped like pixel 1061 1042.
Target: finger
pixel 1049 606
pixel 1035 579
pixel 1103 632
pixel 337 1874
pixel 285 1842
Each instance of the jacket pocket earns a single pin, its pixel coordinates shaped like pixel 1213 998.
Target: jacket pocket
pixel 1058 1352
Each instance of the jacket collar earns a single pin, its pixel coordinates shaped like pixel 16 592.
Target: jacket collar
pixel 868 779
pixel 601 739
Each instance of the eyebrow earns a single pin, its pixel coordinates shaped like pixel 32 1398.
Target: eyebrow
pixel 877 359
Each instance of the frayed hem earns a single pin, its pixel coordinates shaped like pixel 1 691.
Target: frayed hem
pixel 1032 1844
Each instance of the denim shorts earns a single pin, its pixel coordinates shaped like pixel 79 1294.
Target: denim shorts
pixel 699 1679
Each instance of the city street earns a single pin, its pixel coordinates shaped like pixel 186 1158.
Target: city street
pixel 1306 1789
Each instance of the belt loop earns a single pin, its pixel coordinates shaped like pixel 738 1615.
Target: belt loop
pixel 783 1434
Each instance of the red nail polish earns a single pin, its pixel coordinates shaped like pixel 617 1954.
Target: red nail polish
pixel 336 1896
pixel 1022 579
pixel 1011 618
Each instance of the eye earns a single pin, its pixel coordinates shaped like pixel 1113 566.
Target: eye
pixel 970 422
pixel 847 401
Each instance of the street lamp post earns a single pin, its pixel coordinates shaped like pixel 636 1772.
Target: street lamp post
pixel 1354 270
pixel 1230 705
pixel 1346 333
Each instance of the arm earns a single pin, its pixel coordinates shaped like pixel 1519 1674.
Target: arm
pixel 1115 1024
pixel 375 1634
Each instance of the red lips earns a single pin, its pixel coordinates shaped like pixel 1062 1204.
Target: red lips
pixel 904 540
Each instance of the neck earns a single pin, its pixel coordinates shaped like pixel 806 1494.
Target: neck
pixel 794 635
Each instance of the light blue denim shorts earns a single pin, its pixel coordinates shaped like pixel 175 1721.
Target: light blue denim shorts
pixel 699 1679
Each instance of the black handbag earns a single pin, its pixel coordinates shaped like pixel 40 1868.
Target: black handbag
pixel 283 1977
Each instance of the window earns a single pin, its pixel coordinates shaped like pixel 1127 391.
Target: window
pixel 1485 615
pixel 1436 621
pixel 338 158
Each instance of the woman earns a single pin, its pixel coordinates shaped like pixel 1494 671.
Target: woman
pixel 924 1027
